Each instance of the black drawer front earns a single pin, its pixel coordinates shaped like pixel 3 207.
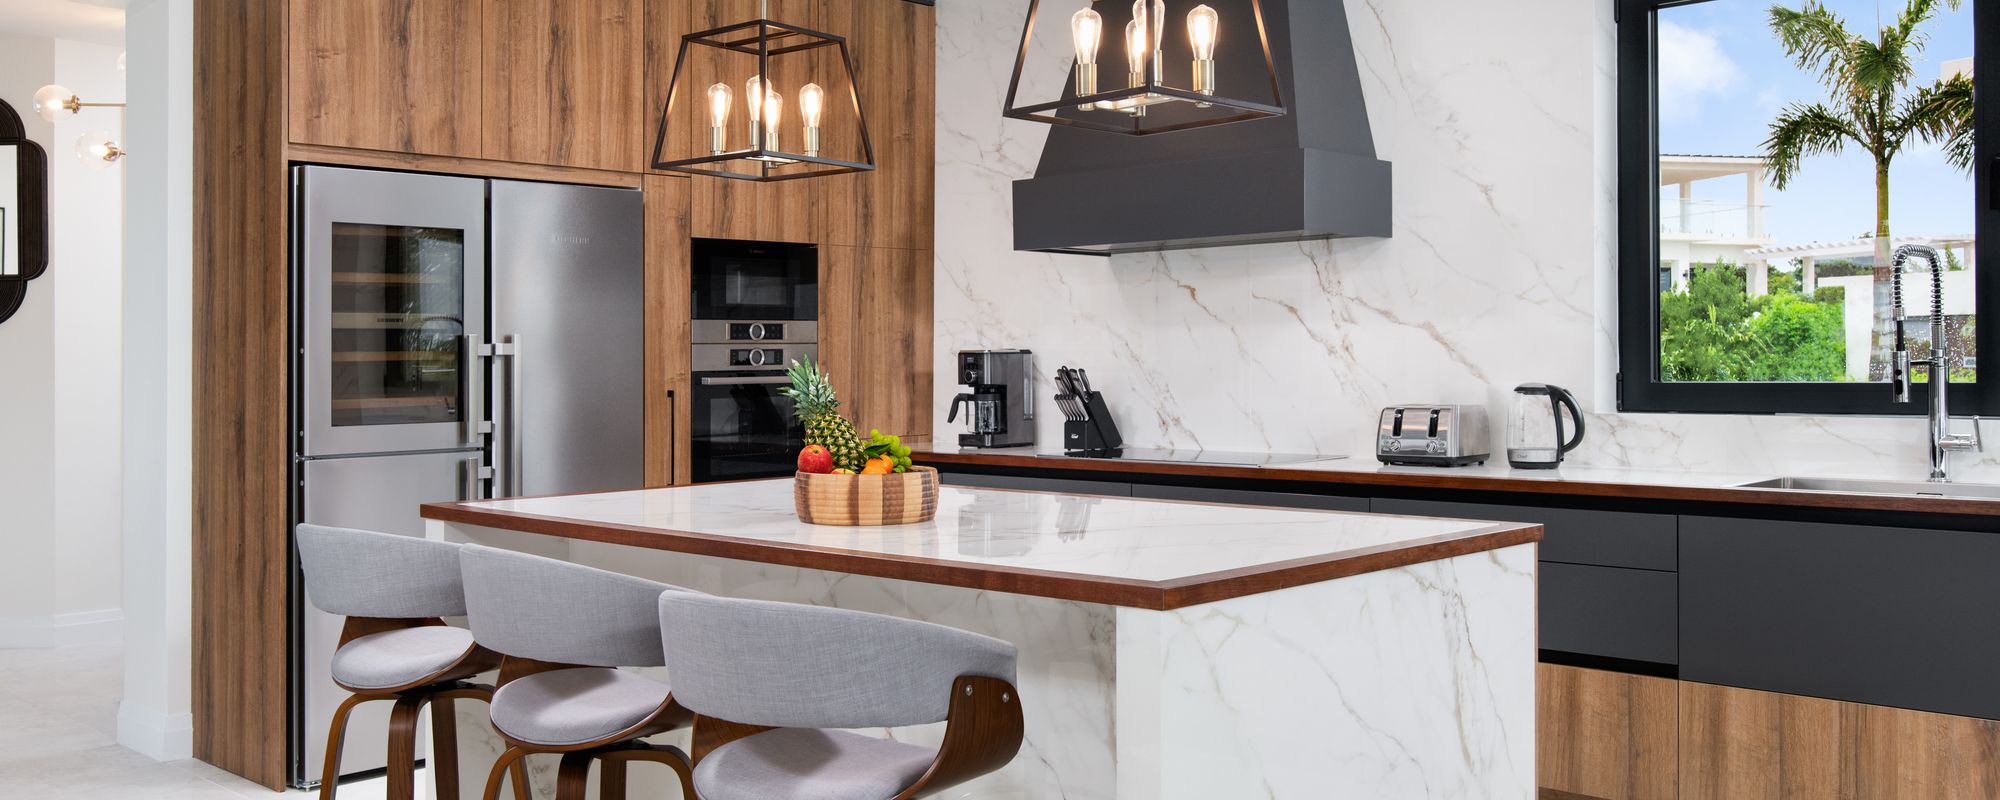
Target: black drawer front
pixel 1608 611
pixel 1572 536
pixel 1888 616
pixel 1251 498
pixel 1106 488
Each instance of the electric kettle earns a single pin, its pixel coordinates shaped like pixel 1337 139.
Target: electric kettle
pixel 1537 437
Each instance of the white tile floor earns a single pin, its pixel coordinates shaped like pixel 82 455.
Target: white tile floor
pixel 58 738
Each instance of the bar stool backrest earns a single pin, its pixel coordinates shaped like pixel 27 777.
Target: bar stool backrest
pixel 358 573
pixel 798 666
pixel 538 608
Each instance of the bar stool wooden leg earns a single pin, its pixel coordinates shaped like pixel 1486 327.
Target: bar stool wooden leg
pixel 336 738
pixel 615 762
pixel 444 747
pixel 402 769
pixel 573 779
pixel 508 767
pixel 610 779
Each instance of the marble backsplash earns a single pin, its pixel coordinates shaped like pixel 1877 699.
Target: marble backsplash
pixel 1498 119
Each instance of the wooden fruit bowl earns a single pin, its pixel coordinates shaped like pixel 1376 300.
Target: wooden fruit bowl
pixel 894 499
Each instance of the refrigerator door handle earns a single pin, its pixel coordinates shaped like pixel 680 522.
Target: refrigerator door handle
pixel 472 417
pixel 507 442
pixel 471 478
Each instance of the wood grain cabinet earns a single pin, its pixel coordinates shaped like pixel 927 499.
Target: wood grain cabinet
pixel 562 82
pixel 396 75
pixel 1606 734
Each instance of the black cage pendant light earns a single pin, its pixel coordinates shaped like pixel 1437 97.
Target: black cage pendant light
pixel 743 125
pixel 1140 88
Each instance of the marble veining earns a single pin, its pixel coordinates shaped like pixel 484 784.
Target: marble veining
pixel 1500 120
pixel 1101 537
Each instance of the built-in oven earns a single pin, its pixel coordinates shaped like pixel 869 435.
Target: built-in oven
pixel 755 281
pixel 743 426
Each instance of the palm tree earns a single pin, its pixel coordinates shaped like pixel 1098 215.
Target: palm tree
pixel 1867 108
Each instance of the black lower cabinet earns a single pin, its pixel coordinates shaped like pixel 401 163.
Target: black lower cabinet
pixel 977 481
pixel 1250 497
pixel 1888 616
pixel 1608 612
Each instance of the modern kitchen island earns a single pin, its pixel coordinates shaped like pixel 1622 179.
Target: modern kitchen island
pixel 1167 649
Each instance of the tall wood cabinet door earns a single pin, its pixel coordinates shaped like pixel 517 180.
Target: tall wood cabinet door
pixel 397 75
pixel 668 342
pixel 893 46
pixel 875 336
pixel 562 83
pixel 1604 734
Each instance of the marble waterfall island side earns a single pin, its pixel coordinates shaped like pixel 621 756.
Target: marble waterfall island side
pixel 1168 650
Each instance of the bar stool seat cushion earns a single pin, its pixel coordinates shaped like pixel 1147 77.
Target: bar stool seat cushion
pixel 810 764
pixel 399 657
pixel 575 706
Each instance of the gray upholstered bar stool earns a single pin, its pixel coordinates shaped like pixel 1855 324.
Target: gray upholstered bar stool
pixel 769 681
pixel 394 646
pixel 563 630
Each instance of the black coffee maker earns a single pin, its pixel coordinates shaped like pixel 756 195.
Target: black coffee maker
pixel 1000 408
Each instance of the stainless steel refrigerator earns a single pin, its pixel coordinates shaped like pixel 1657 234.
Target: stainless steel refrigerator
pixel 454 338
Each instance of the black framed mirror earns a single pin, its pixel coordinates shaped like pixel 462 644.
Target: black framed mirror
pixel 24 211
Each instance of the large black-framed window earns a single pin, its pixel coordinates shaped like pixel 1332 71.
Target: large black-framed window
pixel 1642 273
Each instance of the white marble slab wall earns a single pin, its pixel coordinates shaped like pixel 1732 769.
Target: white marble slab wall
pixel 1498 119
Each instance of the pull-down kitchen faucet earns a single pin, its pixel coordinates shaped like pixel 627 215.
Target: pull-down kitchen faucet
pixel 1942 440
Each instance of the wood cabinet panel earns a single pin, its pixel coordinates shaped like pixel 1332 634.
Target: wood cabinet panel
pixel 563 82
pixel 399 75
pixel 668 339
pixel 875 323
pixel 1748 743
pixel 1605 734
pixel 240 549
pixel 893 46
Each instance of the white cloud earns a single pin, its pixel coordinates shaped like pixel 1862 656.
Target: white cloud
pixel 1692 68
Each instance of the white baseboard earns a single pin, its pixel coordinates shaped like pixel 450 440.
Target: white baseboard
pixel 161 737
pixel 103 626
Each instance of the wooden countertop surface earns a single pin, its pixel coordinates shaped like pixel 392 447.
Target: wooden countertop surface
pixel 1364 470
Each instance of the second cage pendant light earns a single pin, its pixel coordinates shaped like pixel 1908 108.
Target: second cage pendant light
pixel 751 136
pixel 1154 93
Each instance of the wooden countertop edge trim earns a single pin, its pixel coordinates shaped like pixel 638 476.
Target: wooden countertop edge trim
pixel 1447 480
pixel 1128 592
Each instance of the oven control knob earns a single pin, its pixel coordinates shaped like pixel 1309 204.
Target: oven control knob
pixel 756 358
pixel 757 330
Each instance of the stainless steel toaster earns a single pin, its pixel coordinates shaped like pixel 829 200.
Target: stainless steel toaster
pixel 1433 436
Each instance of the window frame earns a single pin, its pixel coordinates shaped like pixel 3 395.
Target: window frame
pixel 1640 389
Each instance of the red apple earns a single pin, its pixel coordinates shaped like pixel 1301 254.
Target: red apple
pixel 815 459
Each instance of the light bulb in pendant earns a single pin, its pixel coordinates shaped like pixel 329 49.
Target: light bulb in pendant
pixel 1202 27
pixel 1154 16
pixel 774 110
pixel 1086 30
pixel 1135 51
pixel 753 103
pixel 812 100
pixel 719 100
pixel 56 103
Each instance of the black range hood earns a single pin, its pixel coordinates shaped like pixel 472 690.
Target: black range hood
pixel 1310 174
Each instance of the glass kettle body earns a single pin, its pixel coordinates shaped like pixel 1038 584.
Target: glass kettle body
pixel 1537 433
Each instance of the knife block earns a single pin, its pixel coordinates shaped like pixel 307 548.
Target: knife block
pixel 1095 433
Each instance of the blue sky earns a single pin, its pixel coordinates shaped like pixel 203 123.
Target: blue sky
pixel 1723 78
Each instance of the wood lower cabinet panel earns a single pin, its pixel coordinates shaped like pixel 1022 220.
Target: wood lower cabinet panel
pixel 668 335
pixel 1605 734
pixel 1747 743
pixel 399 75
pixel 562 83
pixel 875 336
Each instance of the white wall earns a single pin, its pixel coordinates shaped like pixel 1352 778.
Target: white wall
pixel 59 356
pixel 155 717
pixel 1499 119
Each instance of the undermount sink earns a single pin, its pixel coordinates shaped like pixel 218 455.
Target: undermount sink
pixel 1863 486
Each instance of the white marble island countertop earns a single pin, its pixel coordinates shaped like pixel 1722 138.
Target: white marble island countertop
pixel 1140 553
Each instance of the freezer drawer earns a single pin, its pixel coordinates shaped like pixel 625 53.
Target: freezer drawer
pixel 378 494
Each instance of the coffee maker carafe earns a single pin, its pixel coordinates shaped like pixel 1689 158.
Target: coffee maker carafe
pixel 1536 435
pixel 1000 406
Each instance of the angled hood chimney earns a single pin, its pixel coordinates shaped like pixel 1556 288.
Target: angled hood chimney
pixel 1310 174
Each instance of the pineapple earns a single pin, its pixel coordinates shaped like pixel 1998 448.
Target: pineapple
pixel 814 402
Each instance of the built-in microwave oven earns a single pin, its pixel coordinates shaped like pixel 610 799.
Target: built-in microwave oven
pixel 755 281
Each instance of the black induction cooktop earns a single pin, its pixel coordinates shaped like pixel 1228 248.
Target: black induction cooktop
pixel 1220 457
